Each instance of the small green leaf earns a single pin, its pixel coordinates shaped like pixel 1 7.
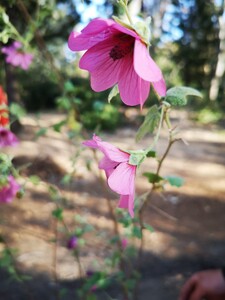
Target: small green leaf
pixel 152 177
pixel 175 180
pixel 69 87
pixel 151 153
pixel 41 131
pixel 57 127
pixel 148 227
pixel 114 91
pixel 137 232
pixel 151 121
pixel 66 179
pixel 58 213
pixel 17 110
pixel 35 179
pixel 136 159
pixel 177 96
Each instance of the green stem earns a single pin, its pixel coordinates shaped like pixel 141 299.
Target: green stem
pixel 156 138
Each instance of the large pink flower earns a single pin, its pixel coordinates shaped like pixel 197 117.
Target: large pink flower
pixel 16 56
pixel 8 192
pixel 117 55
pixel 7 138
pixel 120 174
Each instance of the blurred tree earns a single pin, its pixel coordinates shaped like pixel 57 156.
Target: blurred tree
pixel 198 46
pixel 217 83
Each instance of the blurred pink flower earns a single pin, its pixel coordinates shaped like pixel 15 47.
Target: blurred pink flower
pixel 8 192
pixel 72 243
pixel 7 138
pixel 117 55
pixel 16 57
pixel 120 174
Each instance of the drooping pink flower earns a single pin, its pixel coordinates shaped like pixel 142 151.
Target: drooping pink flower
pixel 7 138
pixel 16 56
pixel 8 192
pixel 120 174
pixel 117 55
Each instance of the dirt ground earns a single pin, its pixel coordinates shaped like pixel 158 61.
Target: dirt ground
pixel 189 222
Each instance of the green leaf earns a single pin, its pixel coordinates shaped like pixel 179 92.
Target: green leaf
pixel 122 22
pixel 41 131
pixel 17 110
pixel 57 127
pixel 35 179
pixel 175 180
pixel 151 121
pixel 114 91
pixel 58 213
pixel 148 227
pixel 152 177
pixel 69 87
pixel 136 158
pixel 137 232
pixel 66 179
pixel 177 96
pixel 151 153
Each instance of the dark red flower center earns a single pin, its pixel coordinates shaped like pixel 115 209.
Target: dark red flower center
pixel 3 134
pixel 124 45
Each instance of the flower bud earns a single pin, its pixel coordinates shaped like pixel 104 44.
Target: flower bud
pixel 72 243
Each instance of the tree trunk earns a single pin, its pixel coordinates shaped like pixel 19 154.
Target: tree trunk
pixel 220 67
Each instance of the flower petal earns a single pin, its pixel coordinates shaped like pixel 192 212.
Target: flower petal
pixel 107 164
pixel 110 151
pixel 96 31
pixel 144 65
pixel 160 87
pixel 127 202
pixel 133 89
pixel 104 70
pixel 122 178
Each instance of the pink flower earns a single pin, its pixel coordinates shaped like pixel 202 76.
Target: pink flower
pixel 7 138
pixel 8 192
pixel 120 174
pixel 16 57
pixel 117 55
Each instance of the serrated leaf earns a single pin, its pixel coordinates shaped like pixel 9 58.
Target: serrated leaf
pixel 177 96
pixel 151 121
pixel 175 180
pixel 114 91
pixel 152 177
